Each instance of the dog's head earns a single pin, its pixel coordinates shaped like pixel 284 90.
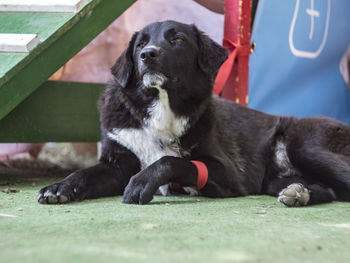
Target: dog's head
pixel 169 54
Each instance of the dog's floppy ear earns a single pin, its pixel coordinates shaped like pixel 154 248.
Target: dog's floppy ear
pixel 124 66
pixel 211 55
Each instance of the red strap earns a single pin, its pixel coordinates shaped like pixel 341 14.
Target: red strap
pixel 232 79
pixel 226 68
pixel 202 174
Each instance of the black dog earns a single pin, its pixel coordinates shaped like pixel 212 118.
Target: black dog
pixel 158 115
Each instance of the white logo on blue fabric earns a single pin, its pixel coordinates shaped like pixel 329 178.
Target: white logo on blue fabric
pixel 309 28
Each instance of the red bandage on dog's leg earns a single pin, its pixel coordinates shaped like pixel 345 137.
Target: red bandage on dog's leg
pixel 202 174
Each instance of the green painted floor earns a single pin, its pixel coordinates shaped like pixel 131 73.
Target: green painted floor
pixel 170 229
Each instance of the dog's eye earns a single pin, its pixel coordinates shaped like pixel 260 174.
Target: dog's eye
pixel 176 40
pixel 141 44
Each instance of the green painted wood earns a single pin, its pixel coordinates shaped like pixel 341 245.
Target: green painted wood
pixel 27 23
pixel 33 70
pixel 43 24
pixel 55 112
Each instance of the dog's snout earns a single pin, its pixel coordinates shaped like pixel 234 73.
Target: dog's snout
pixel 149 53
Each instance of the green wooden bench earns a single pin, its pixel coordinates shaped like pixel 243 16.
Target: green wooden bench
pixel 33 109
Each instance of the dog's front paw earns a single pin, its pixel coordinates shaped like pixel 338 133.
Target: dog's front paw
pixel 139 190
pixel 294 195
pixel 57 194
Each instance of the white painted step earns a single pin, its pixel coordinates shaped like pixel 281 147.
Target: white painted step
pixel 10 43
pixel 49 6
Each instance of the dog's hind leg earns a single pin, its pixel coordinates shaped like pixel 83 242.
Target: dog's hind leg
pixel 321 165
pixel 294 191
pixel 319 149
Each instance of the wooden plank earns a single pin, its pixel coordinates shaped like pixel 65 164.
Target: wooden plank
pixel 42 62
pixel 45 25
pixel 55 112
pixel 62 6
pixel 18 42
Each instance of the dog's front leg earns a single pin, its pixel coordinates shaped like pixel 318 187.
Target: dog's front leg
pixel 93 182
pixel 220 182
pixel 143 185
pixel 108 178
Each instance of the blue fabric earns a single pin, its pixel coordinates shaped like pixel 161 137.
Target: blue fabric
pixel 292 72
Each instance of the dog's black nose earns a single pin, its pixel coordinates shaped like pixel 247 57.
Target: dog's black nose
pixel 149 53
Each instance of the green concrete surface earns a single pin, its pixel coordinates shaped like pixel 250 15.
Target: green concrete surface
pixel 170 229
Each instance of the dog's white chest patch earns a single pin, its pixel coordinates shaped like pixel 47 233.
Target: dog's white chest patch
pixel 162 122
pixel 159 135
pixel 141 143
